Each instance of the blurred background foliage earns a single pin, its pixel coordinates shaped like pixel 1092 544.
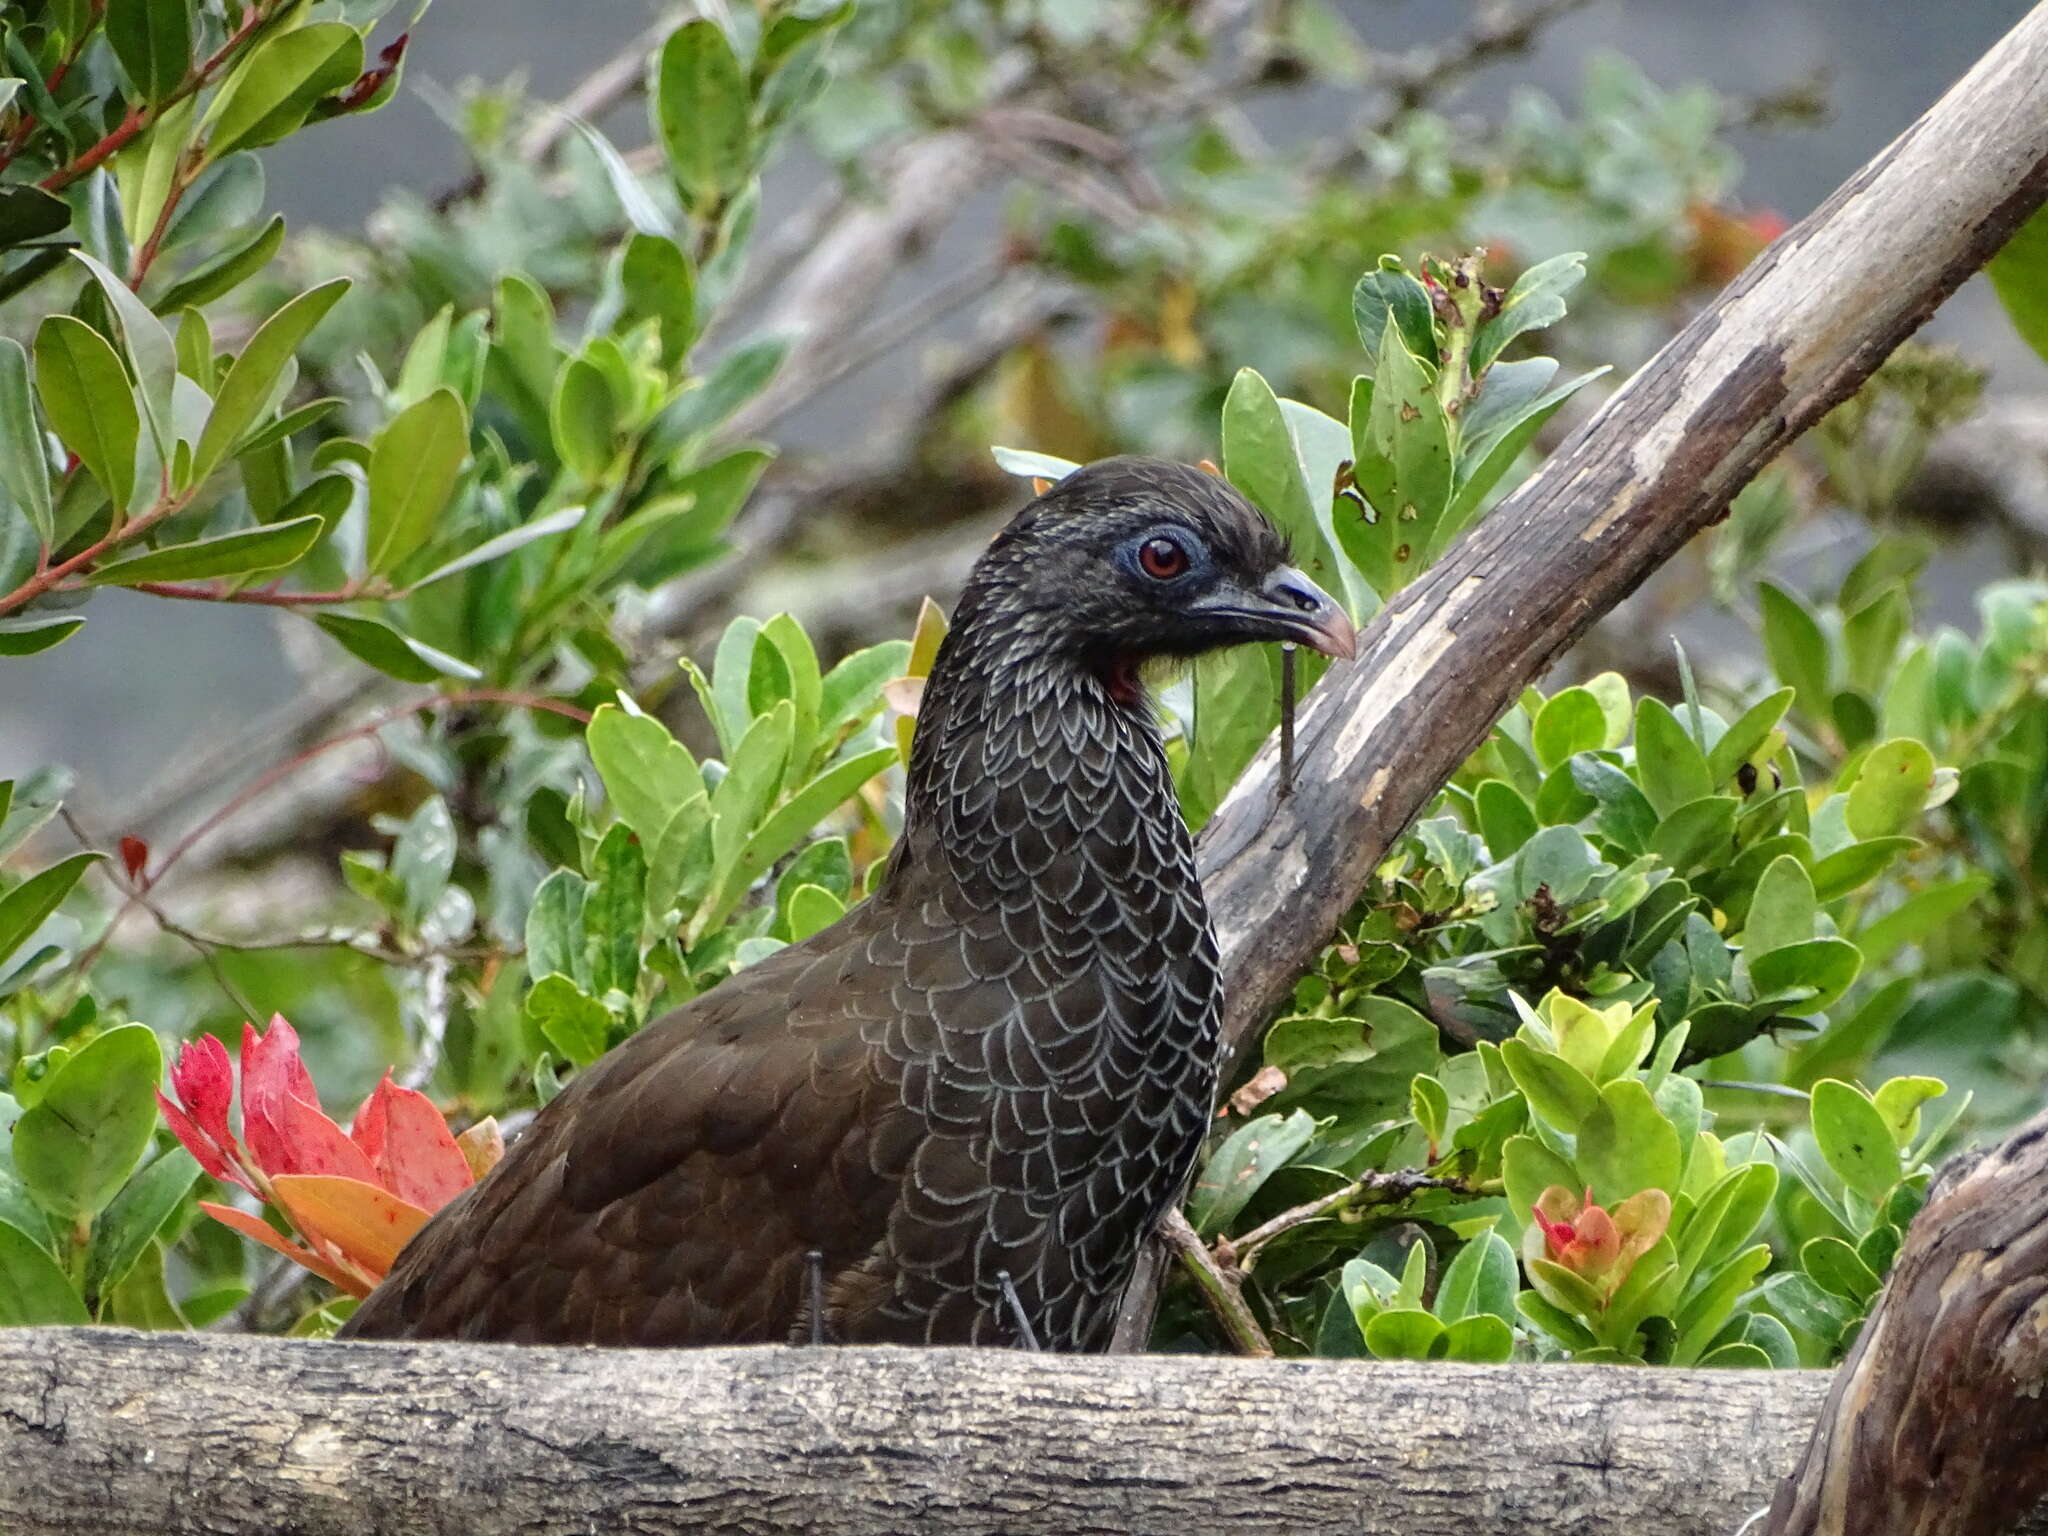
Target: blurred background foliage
pixel 597 698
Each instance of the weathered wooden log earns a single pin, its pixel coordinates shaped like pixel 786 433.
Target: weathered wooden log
pixel 1935 1425
pixel 114 1433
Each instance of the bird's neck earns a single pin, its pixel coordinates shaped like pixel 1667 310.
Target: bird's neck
pixel 1030 754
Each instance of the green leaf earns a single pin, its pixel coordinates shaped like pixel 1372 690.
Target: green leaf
pixel 29 213
pixel 1829 966
pixel 278 83
pixel 646 771
pixel 504 544
pixel 1797 648
pixel 131 1223
pixel 1554 1320
pixel 1626 1144
pixel 1670 764
pixel 1739 743
pixel 1783 909
pixel 25 637
pixel 88 399
pixel 1389 293
pixel 2019 275
pixel 1480 1281
pixel 702 114
pixel 1854 1140
pixel 583 419
pixel 554 927
pixel 1410 429
pixel 24 466
pixel 1569 723
pixel 1702 1317
pixel 252 380
pixel 1430 1105
pixel 1851 868
pixel 1262 458
pixel 379 645
pixel 413 465
pixel 233 554
pixel 1839 1270
pixel 150 350
pixel 1899 1099
pixel 1236 1170
pixel 660 284
pixel 612 912
pixel 1555 1089
pixel 153 41
pixel 1808 1308
pixel 1480 1340
pixel 791 821
pixel 34 1291
pixel 852 688
pixel 812 908
pixel 1402 1333
pixel 227 271
pixel 23 909
pixel 576 1025
pixel 76 1147
pixel 1737 1355
pixel 1533 303
pixel 1625 817
pixel 1890 789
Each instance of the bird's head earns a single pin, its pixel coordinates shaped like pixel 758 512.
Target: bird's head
pixel 1131 560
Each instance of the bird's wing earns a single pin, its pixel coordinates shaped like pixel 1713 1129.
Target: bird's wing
pixel 670 1194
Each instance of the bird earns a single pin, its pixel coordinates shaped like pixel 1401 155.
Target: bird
pixel 952 1116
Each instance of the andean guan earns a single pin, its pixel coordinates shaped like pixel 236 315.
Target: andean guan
pixel 976 1092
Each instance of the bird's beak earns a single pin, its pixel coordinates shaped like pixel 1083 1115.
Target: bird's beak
pixel 1288 606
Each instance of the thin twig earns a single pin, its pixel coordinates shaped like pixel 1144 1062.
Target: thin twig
pixel 1222 1288
pixel 1377 1188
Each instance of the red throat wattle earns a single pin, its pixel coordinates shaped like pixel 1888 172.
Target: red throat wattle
pixel 1120 677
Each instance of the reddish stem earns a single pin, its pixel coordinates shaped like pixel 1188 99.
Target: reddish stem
pixel 264 596
pixel 48 578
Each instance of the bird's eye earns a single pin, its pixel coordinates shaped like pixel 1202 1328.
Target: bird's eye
pixel 1162 559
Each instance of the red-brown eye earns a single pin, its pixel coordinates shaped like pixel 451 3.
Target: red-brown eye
pixel 1162 559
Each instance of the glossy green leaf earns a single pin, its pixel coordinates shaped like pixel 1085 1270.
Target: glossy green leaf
pixel 2019 275
pixel 1240 1167
pixel 1626 1144
pixel 659 283
pixel 1387 293
pixel 1783 909
pixel 1534 302
pixel 1854 1140
pixel 413 464
pixel 89 402
pixel 34 1290
pixel 583 419
pixel 23 908
pixel 1483 1339
pixel 252 380
pixel 574 1024
pixel 1556 1090
pixel 1402 1333
pixel 226 272
pixel 151 354
pixel 1480 1281
pixel 232 554
pixel 1569 723
pixel 76 1146
pixel 137 1214
pixel 1839 1270
pixel 275 86
pixel 25 637
pixel 1828 965
pixel 1669 763
pixel 24 465
pixel 379 645
pixel 153 41
pixel 1741 740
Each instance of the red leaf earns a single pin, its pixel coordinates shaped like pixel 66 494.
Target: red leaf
pixel 409 1144
pixel 134 857
pixel 315 1144
pixel 201 1146
pixel 272 1075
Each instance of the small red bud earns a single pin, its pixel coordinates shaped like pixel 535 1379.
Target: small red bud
pixel 134 858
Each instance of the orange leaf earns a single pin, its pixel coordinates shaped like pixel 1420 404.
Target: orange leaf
pixel 366 1223
pixel 259 1229
pixel 482 1145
